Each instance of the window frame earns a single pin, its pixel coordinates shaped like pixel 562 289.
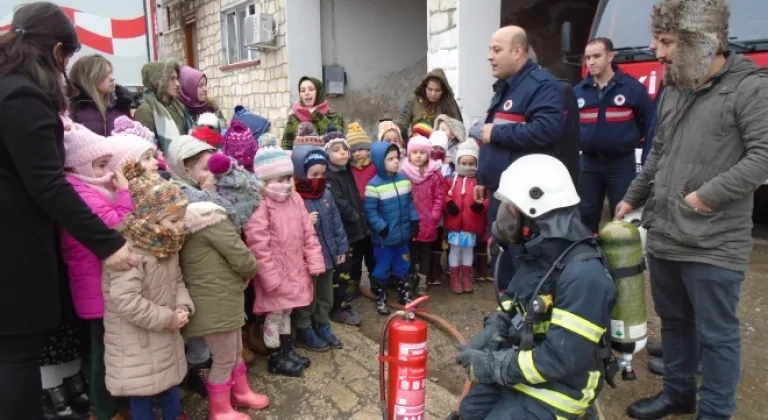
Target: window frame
pixel 249 8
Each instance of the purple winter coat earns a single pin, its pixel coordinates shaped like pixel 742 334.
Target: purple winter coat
pixel 82 110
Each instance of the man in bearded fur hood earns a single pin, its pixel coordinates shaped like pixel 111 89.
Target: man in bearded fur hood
pixel 709 155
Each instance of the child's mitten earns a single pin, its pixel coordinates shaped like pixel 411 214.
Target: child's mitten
pixel 452 208
pixel 476 207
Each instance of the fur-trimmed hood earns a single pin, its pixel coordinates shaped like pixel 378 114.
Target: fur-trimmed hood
pixel 156 74
pixel 201 215
pixel 439 74
pixel 702 33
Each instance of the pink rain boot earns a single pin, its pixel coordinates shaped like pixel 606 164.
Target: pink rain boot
pixel 466 279
pixel 456 280
pixel 220 402
pixel 242 394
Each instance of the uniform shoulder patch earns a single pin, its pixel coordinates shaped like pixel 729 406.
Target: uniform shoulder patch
pixel 581 102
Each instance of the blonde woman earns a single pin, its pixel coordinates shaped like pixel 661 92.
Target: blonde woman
pixel 100 100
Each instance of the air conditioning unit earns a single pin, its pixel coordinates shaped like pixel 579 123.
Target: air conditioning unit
pixel 260 31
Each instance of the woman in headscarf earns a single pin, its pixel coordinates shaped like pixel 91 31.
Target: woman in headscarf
pixel 431 97
pixel 37 201
pixel 195 96
pixel 312 107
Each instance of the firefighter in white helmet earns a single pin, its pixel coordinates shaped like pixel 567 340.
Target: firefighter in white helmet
pixel 544 354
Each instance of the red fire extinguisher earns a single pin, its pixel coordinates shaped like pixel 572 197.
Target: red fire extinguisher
pixel 405 397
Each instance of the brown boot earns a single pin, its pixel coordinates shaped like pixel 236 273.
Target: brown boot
pixel 482 268
pixel 466 279
pixel 456 280
pixel 248 356
pixel 254 339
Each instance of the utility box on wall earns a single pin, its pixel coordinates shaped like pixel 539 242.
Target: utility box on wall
pixel 335 80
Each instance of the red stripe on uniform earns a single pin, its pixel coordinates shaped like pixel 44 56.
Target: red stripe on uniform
pixel 518 118
pixel 619 114
pixel 588 115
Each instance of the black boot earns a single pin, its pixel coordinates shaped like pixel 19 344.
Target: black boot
pixel 286 343
pixel 56 405
pixel 660 406
pixel 656 366
pixel 77 389
pixel 381 299
pixel 654 348
pixel 196 377
pixel 405 290
pixel 278 363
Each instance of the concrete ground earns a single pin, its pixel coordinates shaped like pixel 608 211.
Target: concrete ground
pixel 340 385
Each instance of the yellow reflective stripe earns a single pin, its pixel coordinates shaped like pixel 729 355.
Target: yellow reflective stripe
pixel 541 327
pixel 588 393
pixel 555 399
pixel 525 361
pixel 577 325
pixel 506 305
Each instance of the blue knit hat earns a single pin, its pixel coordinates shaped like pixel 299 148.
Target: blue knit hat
pixel 315 157
pixel 271 163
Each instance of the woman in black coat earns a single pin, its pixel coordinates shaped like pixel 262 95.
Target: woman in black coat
pixel 36 201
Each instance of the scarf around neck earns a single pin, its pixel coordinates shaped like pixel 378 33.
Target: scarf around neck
pixel 413 173
pixel 310 189
pixel 303 114
pixel 150 236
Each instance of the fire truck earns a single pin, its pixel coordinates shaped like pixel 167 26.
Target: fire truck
pixel 626 23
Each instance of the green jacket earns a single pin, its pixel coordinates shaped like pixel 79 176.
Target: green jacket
pixel 320 121
pixel 217 267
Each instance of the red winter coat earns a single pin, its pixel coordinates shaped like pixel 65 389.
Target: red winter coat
pixel 428 192
pixel 363 177
pixel 461 191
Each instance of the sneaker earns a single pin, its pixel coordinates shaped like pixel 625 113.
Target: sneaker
pixel 347 316
pixel 325 332
pixel 308 338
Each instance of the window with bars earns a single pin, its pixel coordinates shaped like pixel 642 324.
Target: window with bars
pixel 232 36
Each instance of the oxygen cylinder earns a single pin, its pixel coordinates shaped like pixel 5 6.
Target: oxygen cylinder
pixel 622 245
pixel 635 217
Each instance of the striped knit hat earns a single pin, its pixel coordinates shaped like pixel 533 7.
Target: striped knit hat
pixel 422 129
pixel 307 134
pixel 272 163
pixel 333 137
pixel 357 138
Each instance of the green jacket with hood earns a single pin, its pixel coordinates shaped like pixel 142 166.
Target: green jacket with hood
pixel 320 121
pixel 415 112
pixel 155 77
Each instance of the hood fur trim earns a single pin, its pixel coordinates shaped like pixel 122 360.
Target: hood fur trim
pixel 702 33
pixel 201 215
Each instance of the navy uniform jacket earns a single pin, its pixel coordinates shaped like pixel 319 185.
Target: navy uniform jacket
pixel 614 119
pixel 528 114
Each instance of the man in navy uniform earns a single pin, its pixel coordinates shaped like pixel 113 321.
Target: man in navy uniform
pixel 616 114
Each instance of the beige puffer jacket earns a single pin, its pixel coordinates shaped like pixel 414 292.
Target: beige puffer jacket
pixel 142 356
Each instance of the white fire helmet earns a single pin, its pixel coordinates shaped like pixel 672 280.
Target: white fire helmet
pixel 635 217
pixel 537 184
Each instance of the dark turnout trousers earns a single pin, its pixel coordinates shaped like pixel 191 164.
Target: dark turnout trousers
pixel 697 304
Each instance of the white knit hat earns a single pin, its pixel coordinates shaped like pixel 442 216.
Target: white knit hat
pixel 439 139
pixel 468 148
pixel 208 119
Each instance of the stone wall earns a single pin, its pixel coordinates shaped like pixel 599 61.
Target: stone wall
pixel 444 38
pixel 261 86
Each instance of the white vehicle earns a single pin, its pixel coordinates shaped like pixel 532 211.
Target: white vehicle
pixel 120 31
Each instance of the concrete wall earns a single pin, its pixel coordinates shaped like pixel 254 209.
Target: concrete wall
pixel 475 26
pixel 262 86
pixel 444 39
pixel 303 42
pixel 382 46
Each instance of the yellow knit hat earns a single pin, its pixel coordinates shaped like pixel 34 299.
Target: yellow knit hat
pixel 357 138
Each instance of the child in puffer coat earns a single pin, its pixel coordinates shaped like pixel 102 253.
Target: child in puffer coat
pixel 394 221
pixel 106 193
pixel 341 182
pixel 217 266
pixel 233 171
pixel 145 306
pixel 465 218
pixel 428 186
pixel 283 240
pixel 313 327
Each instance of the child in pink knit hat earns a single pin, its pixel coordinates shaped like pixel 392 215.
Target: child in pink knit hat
pixel 129 150
pixel 125 125
pixel 87 160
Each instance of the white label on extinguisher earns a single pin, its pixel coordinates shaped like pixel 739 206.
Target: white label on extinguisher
pixel 408 349
pixel 410 413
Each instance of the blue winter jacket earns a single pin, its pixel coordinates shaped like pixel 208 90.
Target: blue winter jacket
pixel 329 227
pixel 256 123
pixel 528 114
pixel 613 119
pixel 388 202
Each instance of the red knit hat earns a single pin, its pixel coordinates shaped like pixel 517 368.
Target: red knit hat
pixel 208 135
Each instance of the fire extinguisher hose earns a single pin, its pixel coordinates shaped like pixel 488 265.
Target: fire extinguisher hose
pixel 436 320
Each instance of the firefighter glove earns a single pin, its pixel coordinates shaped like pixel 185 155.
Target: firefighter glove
pixel 414 228
pixel 477 363
pixel 384 232
pixel 476 207
pixel 452 208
